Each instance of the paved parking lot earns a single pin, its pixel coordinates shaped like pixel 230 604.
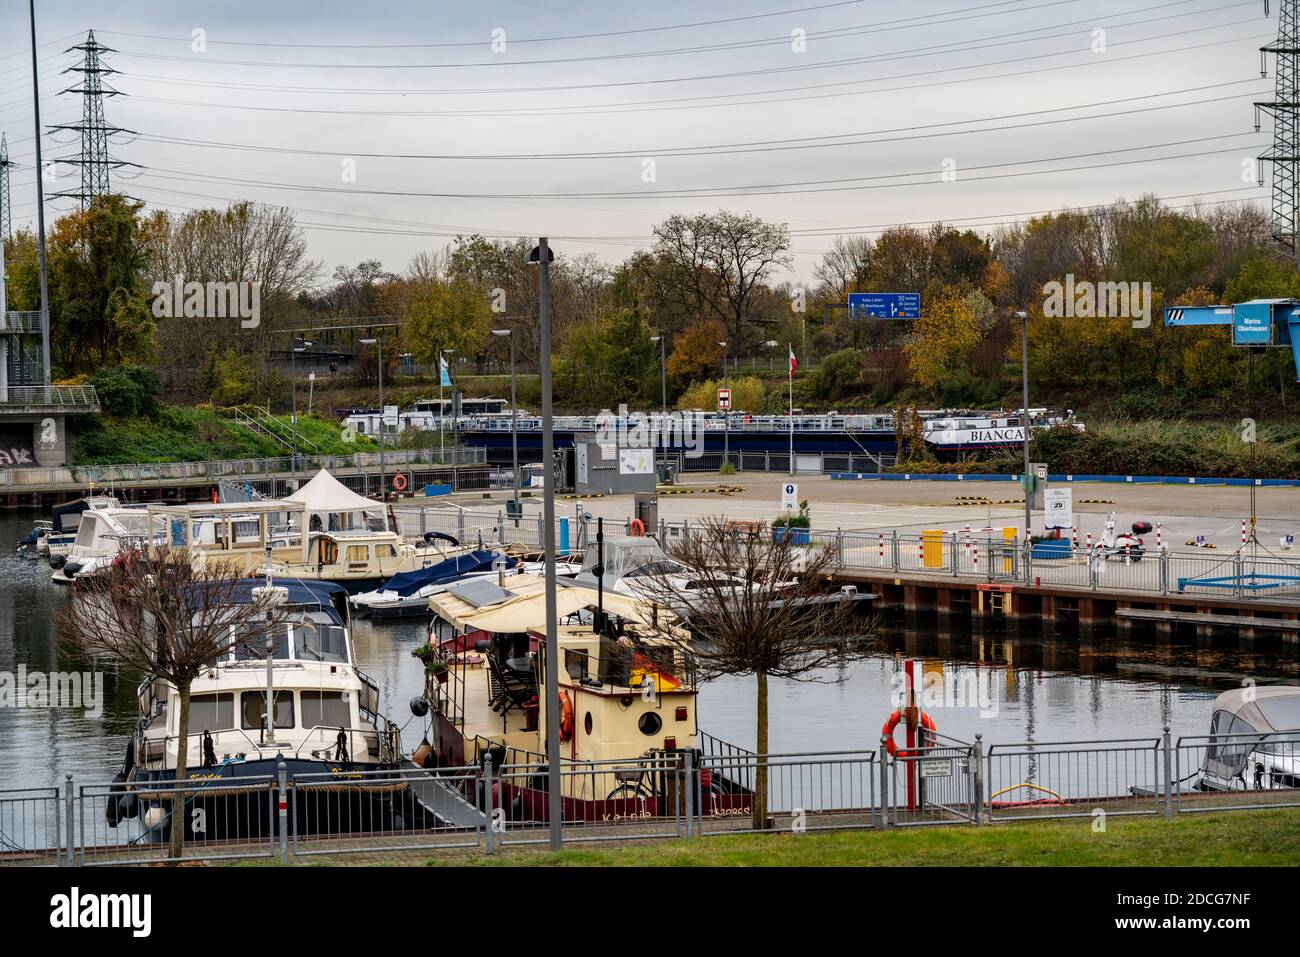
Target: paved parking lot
pixel 1184 512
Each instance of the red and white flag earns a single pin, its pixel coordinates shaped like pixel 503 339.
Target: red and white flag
pixel 794 363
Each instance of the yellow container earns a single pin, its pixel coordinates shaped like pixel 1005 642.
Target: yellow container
pixel 932 548
pixel 1009 536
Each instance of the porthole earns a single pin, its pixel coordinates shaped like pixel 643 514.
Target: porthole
pixel 586 724
pixel 650 723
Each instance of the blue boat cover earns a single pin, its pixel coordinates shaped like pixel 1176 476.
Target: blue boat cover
pixel 408 583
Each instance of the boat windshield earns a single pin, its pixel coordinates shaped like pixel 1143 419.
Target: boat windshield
pixel 1282 712
pixel 664 566
pixel 320 641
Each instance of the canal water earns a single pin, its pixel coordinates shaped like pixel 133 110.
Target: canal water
pixel 1007 689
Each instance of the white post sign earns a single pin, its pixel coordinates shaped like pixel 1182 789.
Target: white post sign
pixel 790 496
pixel 1058 508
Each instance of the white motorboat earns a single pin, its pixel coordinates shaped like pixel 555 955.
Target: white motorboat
pixel 407 594
pixel 1254 740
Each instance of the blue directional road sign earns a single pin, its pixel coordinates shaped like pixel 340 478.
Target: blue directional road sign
pixel 885 305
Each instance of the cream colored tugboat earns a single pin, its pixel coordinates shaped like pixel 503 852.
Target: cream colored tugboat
pixel 627 705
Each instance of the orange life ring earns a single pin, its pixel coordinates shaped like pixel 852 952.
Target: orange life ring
pixel 887 730
pixel 636 527
pixel 399 482
pixel 566 716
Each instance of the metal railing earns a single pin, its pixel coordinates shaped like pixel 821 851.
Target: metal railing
pixel 660 794
pixel 438 466
pixel 72 398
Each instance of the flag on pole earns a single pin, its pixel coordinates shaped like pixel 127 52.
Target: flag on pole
pixel 794 363
pixel 443 371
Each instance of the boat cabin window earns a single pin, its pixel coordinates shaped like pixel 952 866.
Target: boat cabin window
pixel 327 550
pixel 212 712
pixel 255 650
pixel 325 709
pixel 358 553
pixel 320 641
pixel 252 709
pixel 1230 752
pixel 385 551
pixel 575 664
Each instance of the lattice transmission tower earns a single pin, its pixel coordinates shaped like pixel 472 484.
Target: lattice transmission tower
pixel 1285 110
pixel 6 209
pixel 95 160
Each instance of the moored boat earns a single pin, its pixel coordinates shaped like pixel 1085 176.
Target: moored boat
pixel 325 724
pixel 627 705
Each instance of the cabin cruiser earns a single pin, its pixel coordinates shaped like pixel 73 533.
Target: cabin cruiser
pixel 102 535
pixel 325 716
pixel 965 430
pixel 234 534
pixel 627 702
pixel 1254 741
pixel 629 563
pixel 65 520
pixel 407 594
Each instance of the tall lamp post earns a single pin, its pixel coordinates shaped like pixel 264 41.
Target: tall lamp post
pixel 1024 411
pixel 514 413
pixel 663 373
pixel 726 413
pixel 542 256
pixel 379 352
pixel 296 345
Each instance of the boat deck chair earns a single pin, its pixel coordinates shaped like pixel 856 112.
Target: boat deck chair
pixel 515 689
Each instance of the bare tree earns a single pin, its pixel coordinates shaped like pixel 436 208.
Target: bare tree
pixel 155 612
pixel 750 617
pixel 845 267
pixel 724 258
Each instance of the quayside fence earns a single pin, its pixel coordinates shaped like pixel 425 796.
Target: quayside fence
pixel 718 789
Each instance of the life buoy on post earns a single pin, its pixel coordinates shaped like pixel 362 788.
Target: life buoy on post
pixel 399 482
pixel 566 717
pixel 887 730
pixel 636 527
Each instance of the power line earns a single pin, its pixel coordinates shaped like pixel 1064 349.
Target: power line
pixel 678 102
pixel 752 146
pixel 782 189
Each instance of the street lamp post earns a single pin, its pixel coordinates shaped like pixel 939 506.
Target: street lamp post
pixel 726 413
pixel 541 255
pixel 1024 411
pixel 663 373
pixel 514 414
pixel 379 352
pixel 294 349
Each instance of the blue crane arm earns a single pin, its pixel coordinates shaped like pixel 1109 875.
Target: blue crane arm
pixel 1198 316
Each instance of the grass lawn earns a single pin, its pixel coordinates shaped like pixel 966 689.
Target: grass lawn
pixel 1253 838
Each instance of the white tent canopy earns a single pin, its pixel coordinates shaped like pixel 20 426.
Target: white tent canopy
pixel 326 495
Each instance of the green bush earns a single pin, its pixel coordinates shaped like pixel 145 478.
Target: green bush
pixel 127 391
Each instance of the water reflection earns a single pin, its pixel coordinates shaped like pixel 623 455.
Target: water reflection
pixel 1032 688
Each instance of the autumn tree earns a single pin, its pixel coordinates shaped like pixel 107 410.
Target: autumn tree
pixel 697 352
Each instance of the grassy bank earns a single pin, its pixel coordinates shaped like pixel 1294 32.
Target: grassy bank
pixel 185 434
pixel 1257 838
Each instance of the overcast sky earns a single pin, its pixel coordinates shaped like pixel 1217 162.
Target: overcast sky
pixel 954 114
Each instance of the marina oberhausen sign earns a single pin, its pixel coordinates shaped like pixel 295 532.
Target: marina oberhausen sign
pixel 1260 322
pixel 884 305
